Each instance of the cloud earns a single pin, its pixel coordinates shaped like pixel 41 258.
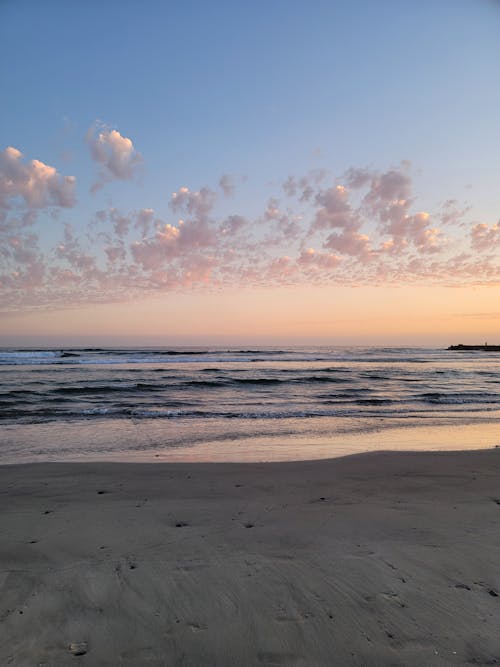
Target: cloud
pixel 272 211
pixel 412 229
pixel 334 210
pixel 152 253
pixel 144 220
pixel 114 153
pixel 171 241
pixel 357 178
pixel 350 242
pixel 226 184
pixel 425 238
pixel 451 214
pixel 484 237
pixel 233 224
pixel 304 187
pixel 198 203
pixel 21 263
pixel 318 260
pixel 479 316
pixel 35 183
pixel 70 251
pixel 393 185
pixel 115 253
pixel 121 223
pixel 281 268
pixel 364 228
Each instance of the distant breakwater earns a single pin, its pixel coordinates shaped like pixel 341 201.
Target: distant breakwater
pixel 482 348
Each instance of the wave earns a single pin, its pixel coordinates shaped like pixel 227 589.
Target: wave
pixel 47 414
pixel 28 356
pixel 323 378
pixel 108 389
pixel 202 383
pixel 465 397
pixel 98 355
pixel 257 381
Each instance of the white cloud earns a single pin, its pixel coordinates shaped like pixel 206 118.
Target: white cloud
pixel 114 153
pixel 38 184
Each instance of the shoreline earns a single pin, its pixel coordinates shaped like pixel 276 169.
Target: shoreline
pixel 471 435
pixel 368 559
pixel 332 460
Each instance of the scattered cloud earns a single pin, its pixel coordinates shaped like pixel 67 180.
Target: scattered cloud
pixel 34 184
pixel 364 227
pixel 350 242
pixel 334 210
pixel 198 203
pixel 318 260
pixel 485 237
pixel 115 154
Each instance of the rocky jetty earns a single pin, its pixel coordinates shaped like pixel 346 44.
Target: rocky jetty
pixel 484 348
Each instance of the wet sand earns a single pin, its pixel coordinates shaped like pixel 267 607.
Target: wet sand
pixel 377 559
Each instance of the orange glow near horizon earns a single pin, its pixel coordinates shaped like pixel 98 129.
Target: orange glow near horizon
pixel 375 315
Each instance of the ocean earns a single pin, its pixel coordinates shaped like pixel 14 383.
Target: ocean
pixel 252 404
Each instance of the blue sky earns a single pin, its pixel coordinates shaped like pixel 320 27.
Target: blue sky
pixel 258 88
pixel 259 91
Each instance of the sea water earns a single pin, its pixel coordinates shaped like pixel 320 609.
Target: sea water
pixel 234 404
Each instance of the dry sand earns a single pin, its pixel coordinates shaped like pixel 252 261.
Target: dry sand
pixel 380 559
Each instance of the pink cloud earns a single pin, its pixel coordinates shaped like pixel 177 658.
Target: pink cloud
pixel 233 224
pixel 281 268
pixel 318 260
pixel 484 237
pixel 115 253
pixel 70 251
pixel 364 232
pixel 414 229
pixel 393 185
pixel 38 184
pixel 334 209
pixel 357 178
pixel 350 242
pixel 144 220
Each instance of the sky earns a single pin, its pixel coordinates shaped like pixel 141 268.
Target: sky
pixel 268 172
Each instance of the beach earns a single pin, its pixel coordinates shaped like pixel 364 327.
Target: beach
pixel 376 559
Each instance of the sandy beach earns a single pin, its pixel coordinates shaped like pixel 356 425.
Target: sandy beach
pixel 378 559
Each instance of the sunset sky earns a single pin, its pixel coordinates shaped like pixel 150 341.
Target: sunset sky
pixel 189 172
